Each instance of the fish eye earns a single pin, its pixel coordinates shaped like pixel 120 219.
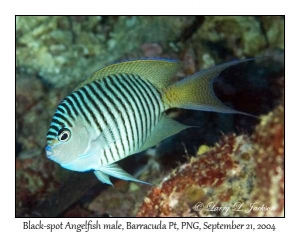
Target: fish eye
pixel 64 135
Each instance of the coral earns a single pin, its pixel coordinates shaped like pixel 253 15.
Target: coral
pixel 63 49
pixel 151 50
pixel 269 153
pixel 30 116
pixel 59 48
pixel 35 178
pixel 120 200
pixel 240 172
pixel 241 35
pixel 161 29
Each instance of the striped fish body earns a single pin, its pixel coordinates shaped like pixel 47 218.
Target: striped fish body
pixel 119 111
pixel 122 111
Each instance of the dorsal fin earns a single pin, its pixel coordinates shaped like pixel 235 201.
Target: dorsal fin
pixel 158 72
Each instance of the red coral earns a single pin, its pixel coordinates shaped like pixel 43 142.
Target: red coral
pixel 269 148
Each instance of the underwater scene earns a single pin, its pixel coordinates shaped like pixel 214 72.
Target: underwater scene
pixel 149 116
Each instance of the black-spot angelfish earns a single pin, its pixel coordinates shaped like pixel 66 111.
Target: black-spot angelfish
pixel 120 110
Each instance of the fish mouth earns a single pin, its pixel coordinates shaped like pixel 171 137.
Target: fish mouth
pixel 49 152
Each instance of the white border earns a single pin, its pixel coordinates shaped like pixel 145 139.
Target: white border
pixel 10 8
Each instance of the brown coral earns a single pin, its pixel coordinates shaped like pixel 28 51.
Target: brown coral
pixel 269 151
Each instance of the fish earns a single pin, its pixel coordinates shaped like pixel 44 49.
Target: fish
pixel 119 111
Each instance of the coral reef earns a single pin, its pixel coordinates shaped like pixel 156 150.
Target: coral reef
pixel 121 200
pixel 243 173
pixel 35 179
pixel 269 152
pixel 241 35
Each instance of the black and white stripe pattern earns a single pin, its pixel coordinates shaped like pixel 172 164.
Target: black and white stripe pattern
pixel 126 105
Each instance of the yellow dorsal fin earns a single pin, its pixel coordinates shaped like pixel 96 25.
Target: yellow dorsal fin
pixel 158 72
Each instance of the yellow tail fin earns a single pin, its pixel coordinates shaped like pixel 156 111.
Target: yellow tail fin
pixel 196 92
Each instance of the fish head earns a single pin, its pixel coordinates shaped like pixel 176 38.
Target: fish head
pixel 73 147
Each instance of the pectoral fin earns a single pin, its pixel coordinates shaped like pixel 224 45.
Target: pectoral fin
pixel 165 128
